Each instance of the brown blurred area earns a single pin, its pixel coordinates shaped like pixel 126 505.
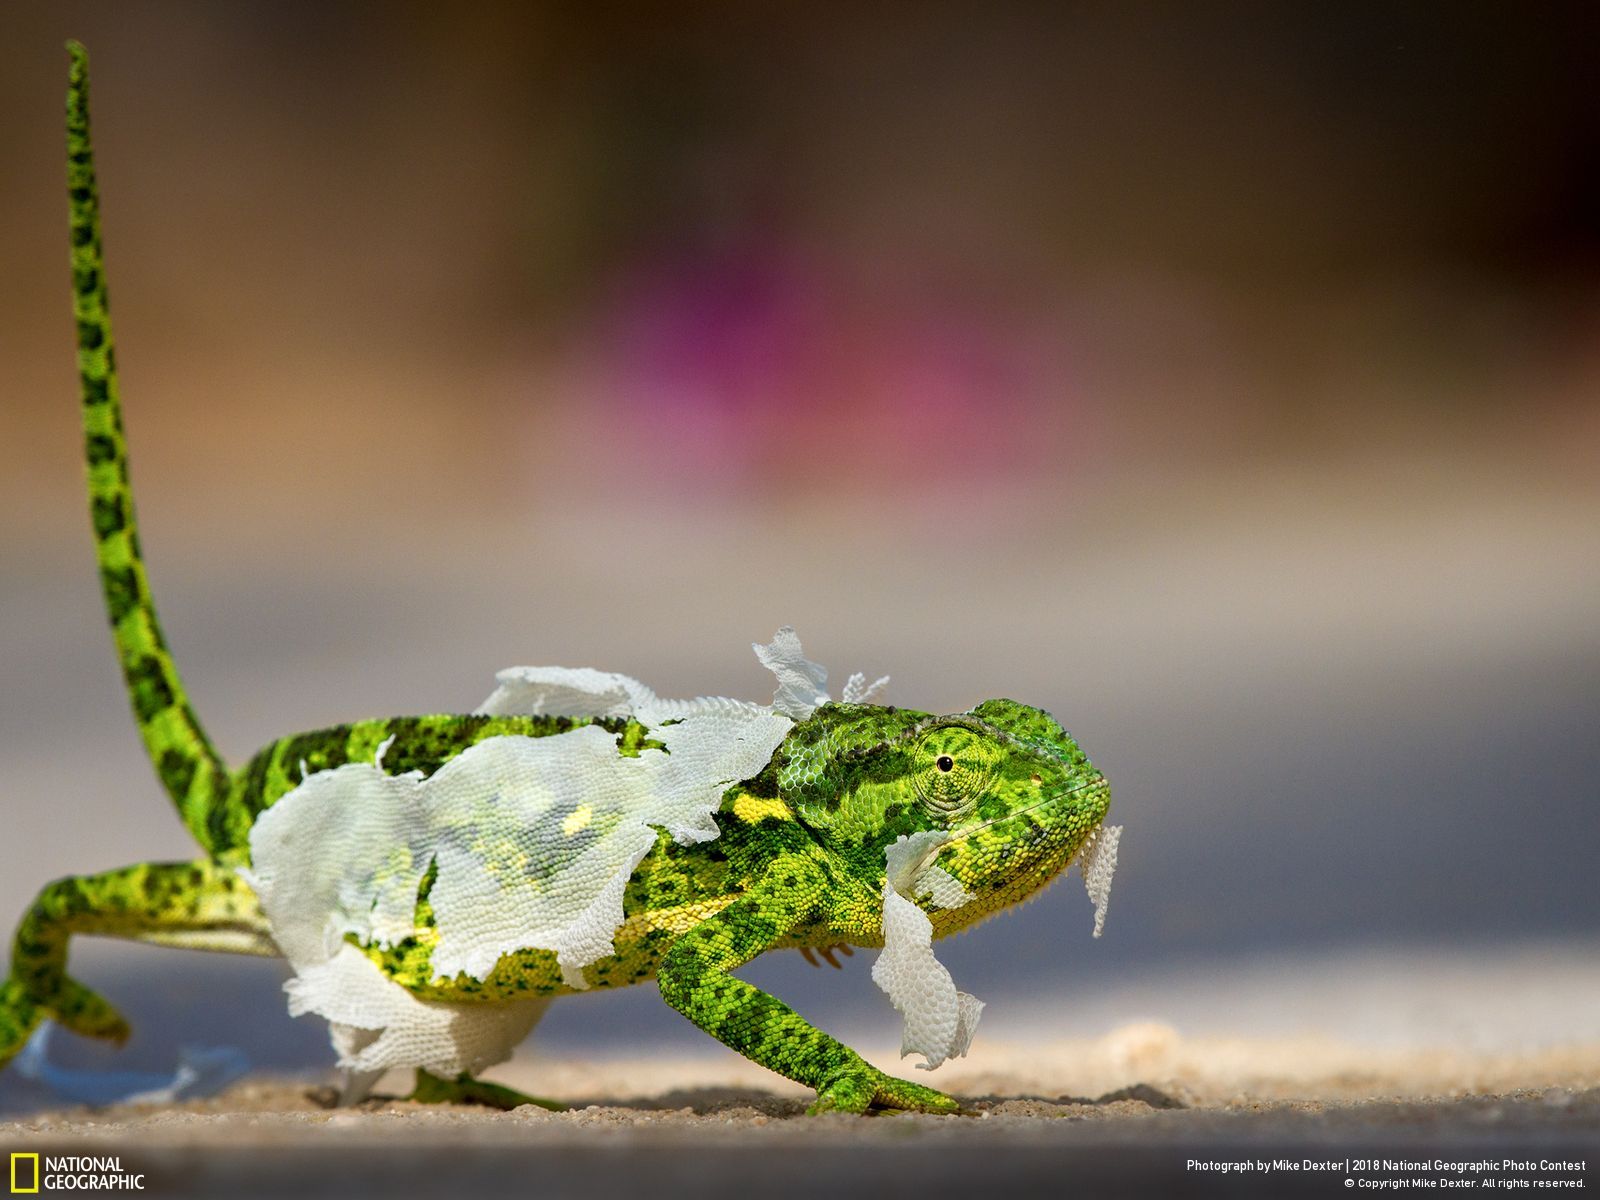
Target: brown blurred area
pixel 1141 244
pixel 1225 378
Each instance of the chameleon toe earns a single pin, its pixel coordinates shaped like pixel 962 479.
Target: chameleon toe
pixel 852 1092
pixel 913 1097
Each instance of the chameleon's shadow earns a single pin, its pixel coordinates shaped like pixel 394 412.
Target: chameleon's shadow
pixel 714 1101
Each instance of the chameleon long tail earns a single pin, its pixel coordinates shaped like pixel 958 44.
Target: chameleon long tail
pixel 189 766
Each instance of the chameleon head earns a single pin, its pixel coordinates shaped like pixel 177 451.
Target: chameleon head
pixel 1009 787
pixel 1016 794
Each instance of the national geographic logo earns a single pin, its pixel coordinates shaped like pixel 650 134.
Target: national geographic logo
pixel 32 1173
pixel 24 1174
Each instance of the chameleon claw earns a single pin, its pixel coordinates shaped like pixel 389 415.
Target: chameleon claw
pixel 827 953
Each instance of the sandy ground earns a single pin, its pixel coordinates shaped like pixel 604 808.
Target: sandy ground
pixel 1124 1113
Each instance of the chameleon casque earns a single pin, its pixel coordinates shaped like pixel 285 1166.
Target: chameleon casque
pixel 434 881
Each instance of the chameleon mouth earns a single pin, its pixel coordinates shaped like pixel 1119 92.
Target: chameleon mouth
pixel 1099 781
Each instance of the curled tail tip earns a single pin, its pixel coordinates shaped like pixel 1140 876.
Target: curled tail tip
pixel 78 53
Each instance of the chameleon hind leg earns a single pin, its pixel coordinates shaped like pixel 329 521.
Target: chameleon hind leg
pixel 464 1089
pixel 200 905
pixel 511 1024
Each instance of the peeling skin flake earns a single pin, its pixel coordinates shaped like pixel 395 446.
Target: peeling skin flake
pixel 799 679
pixel 858 691
pixel 1097 860
pixel 567 692
pixel 584 692
pixel 939 1021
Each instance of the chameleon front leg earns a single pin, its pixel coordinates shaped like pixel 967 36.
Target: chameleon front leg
pixel 694 978
pixel 201 904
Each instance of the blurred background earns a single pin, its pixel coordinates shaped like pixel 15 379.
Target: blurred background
pixel 1224 378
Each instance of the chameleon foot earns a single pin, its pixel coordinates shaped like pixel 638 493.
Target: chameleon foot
pixel 864 1087
pixel 19 1017
pixel 86 1014
pixel 464 1089
pixel 69 1003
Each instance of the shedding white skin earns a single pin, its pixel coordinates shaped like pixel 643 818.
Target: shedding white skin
pixel 939 1021
pixel 799 679
pixel 1097 860
pixel 532 841
pixel 858 691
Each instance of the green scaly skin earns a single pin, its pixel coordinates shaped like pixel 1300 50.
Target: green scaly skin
pixel 799 862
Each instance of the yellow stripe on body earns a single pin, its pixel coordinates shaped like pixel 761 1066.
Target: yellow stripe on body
pixel 751 809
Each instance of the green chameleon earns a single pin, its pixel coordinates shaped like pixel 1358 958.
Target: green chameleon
pixel 434 881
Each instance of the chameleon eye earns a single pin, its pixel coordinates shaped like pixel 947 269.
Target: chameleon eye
pixel 952 770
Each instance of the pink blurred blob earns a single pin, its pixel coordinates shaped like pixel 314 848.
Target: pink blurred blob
pixel 765 366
